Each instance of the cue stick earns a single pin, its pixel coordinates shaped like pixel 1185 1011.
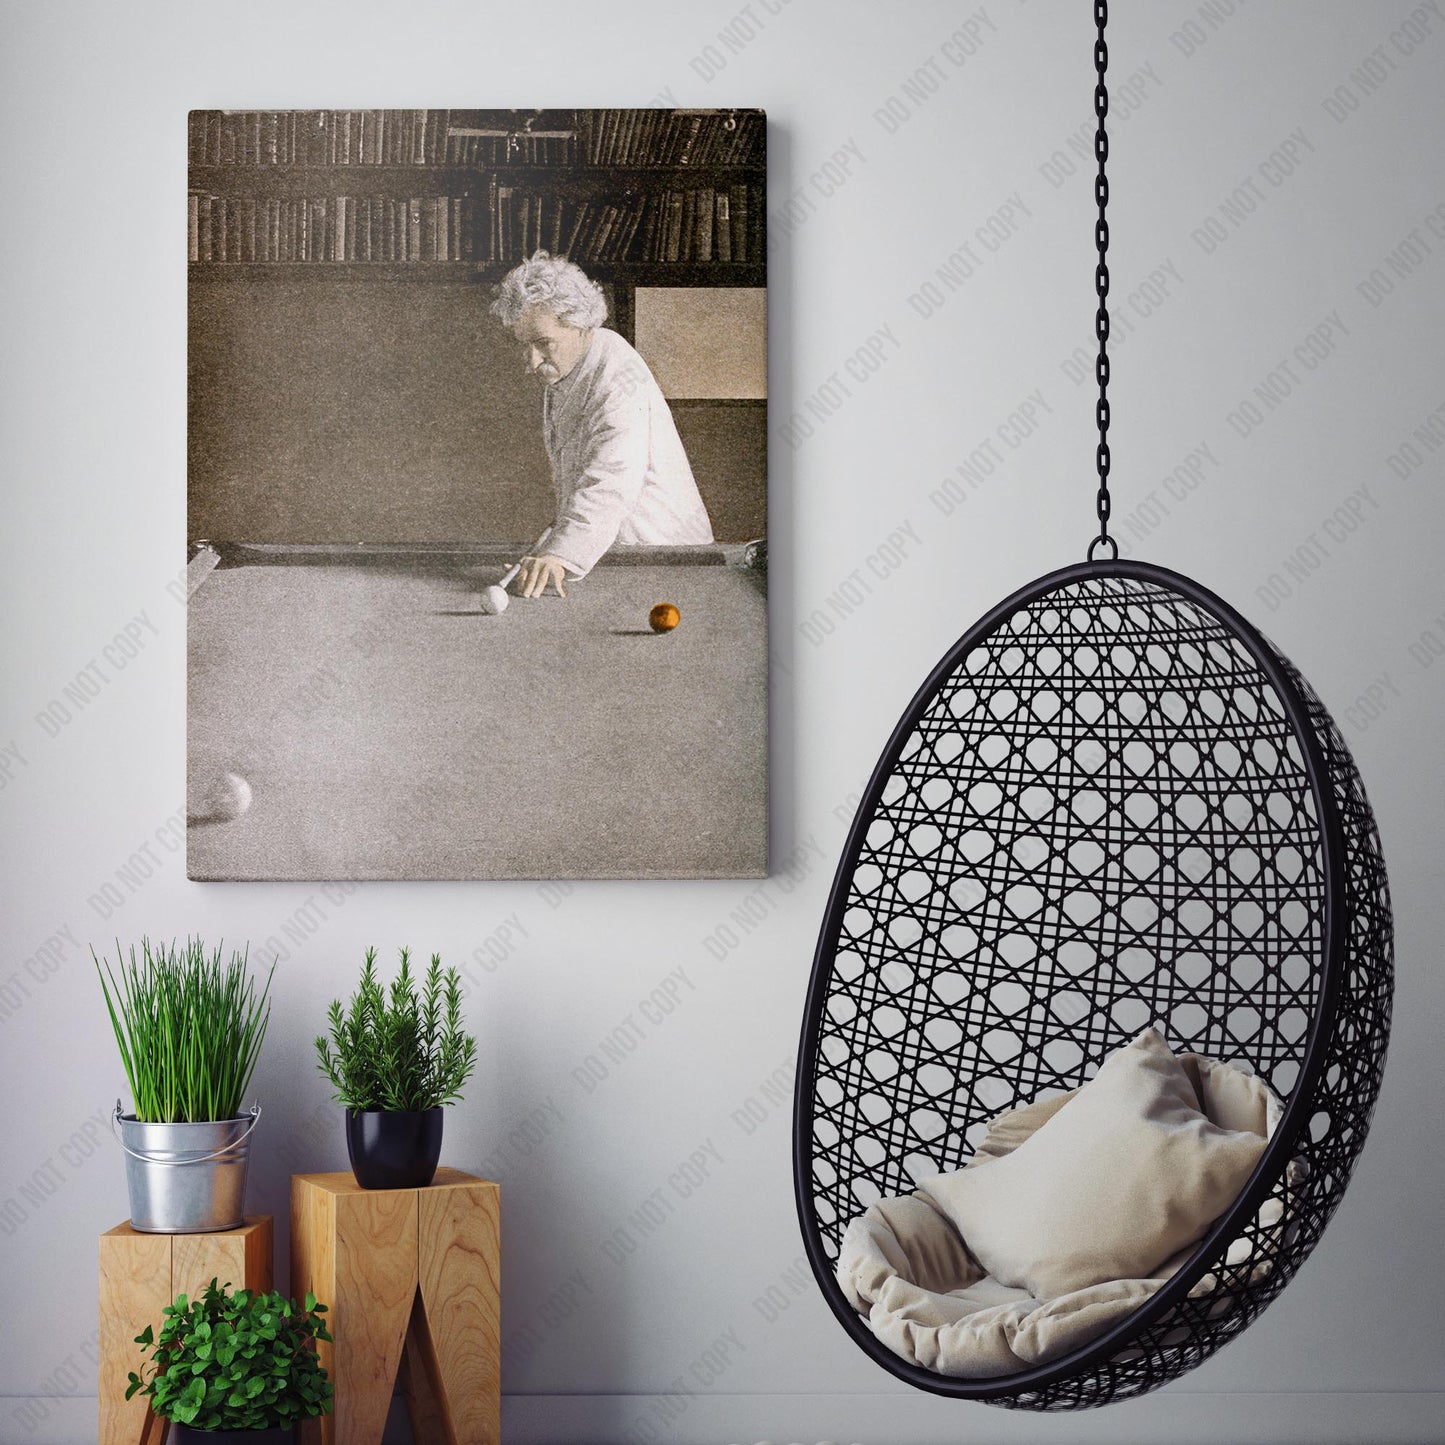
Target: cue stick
pixel 517 566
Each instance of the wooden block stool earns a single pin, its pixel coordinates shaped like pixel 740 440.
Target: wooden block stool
pixel 140 1274
pixel 412 1279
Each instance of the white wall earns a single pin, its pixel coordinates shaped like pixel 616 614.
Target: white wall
pixel 92 271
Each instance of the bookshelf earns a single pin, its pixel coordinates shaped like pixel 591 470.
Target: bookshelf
pixel 636 197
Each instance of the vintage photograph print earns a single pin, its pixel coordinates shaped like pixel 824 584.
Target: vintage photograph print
pixel 477 494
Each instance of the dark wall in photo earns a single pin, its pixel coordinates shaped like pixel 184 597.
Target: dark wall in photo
pixel 341 411
pixel 727 445
pixel 338 411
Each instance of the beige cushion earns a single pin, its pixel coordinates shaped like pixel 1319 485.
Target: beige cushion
pixel 906 1268
pixel 1119 1178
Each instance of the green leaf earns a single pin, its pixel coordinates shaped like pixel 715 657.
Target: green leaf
pixel 242 1360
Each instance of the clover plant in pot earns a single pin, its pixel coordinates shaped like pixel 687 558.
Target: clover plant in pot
pixel 190 1025
pixel 235 1369
pixel 395 1058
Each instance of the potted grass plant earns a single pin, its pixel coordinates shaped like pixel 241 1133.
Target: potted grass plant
pixel 235 1369
pixel 190 1026
pixel 395 1058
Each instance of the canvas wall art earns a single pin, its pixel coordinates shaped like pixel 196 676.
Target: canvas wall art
pixel 477 494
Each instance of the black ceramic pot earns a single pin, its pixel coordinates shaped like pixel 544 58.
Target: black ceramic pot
pixel 189 1435
pixel 393 1150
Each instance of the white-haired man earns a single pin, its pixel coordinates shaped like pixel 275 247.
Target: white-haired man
pixel 619 470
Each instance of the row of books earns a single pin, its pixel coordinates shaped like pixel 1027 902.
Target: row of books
pixel 331 228
pixel 671 138
pixel 703 224
pixel 640 138
pixel 700 224
pixel 318 137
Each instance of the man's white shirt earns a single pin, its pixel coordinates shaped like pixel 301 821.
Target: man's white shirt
pixel 618 465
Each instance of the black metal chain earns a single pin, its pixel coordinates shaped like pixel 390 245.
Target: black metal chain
pixel 1101 277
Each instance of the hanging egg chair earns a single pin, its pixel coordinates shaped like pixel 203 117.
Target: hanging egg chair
pixel 1113 804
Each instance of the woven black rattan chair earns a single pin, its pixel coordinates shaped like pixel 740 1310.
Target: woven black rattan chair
pixel 1112 804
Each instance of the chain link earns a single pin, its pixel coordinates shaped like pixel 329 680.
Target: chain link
pixel 1101 278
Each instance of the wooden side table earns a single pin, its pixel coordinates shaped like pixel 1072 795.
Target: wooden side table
pixel 140 1274
pixel 412 1281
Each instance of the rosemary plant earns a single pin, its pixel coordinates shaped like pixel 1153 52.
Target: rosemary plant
pixel 397 1050
pixel 189 1027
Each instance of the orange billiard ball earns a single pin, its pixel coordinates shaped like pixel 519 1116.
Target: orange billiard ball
pixel 664 617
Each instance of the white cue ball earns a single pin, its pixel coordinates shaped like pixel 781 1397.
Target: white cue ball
pixel 494 600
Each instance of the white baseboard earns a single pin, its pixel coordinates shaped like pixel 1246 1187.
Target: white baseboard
pixel 1179 1417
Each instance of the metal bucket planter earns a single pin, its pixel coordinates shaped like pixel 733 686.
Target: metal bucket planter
pixel 186 1178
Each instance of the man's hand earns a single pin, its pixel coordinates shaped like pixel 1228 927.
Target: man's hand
pixel 537 572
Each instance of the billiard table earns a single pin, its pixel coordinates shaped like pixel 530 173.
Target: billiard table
pixel 386 727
